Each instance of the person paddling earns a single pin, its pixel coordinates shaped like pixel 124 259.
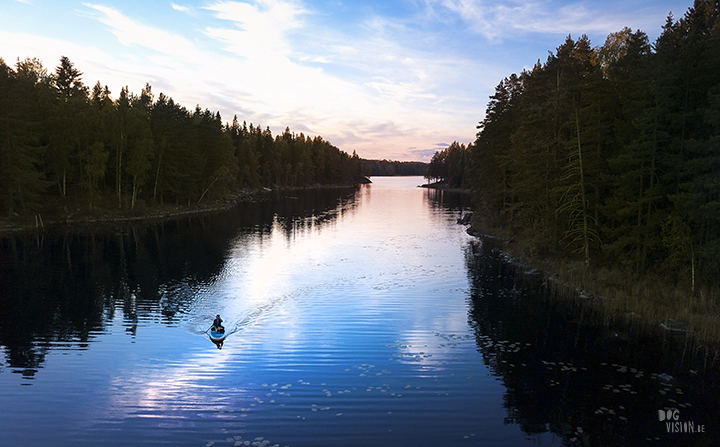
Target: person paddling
pixel 217 324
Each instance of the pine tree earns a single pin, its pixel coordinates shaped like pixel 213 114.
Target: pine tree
pixel 67 77
pixel 20 134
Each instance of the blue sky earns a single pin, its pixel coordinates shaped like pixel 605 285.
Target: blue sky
pixel 388 79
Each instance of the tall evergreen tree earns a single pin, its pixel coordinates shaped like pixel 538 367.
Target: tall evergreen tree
pixel 21 150
pixel 67 77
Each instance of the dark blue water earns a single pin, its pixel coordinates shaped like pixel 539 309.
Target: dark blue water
pixel 363 316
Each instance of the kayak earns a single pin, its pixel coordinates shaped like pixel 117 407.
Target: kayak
pixel 217 337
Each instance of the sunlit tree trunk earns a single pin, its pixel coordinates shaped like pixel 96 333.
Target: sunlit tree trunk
pixel 586 239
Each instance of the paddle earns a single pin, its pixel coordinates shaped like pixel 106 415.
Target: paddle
pixel 207 330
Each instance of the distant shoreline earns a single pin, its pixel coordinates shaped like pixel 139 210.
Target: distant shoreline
pixel 103 217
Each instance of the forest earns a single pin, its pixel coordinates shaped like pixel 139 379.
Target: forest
pixel 393 168
pixel 609 155
pixel 450 166
pixel 66 148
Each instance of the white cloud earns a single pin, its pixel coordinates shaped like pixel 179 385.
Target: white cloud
pixel 94 62
pixel 351 112
pixel 180 8
pixel 259 28
pixel 497 21
pixel 133 34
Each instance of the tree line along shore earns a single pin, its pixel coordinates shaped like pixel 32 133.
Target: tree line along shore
pixel 72 152
pixel 67 150
pixel 608 158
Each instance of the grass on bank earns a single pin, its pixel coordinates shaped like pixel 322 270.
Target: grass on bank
pixel 649 301
pixel 78 208
pixel 104 207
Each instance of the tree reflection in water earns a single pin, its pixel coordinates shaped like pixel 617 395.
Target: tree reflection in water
pixel 575 371
pixel 59 288
pixel 571 368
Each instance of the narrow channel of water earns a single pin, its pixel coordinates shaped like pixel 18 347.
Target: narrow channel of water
pixel 362 316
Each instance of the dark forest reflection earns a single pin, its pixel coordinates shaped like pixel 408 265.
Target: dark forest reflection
pixel 570 370
pixel 58 288
pixel 574 372
pixel 449 200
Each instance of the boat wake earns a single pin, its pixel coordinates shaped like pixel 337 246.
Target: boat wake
pixel 239 314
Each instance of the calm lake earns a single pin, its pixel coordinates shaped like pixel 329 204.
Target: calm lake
pixel 357 317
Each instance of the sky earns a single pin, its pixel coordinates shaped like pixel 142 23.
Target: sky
pixel 388 79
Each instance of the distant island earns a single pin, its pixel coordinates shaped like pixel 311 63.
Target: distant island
pixel 394 168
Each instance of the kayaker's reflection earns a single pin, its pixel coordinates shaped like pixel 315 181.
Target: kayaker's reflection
pixel 217 332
